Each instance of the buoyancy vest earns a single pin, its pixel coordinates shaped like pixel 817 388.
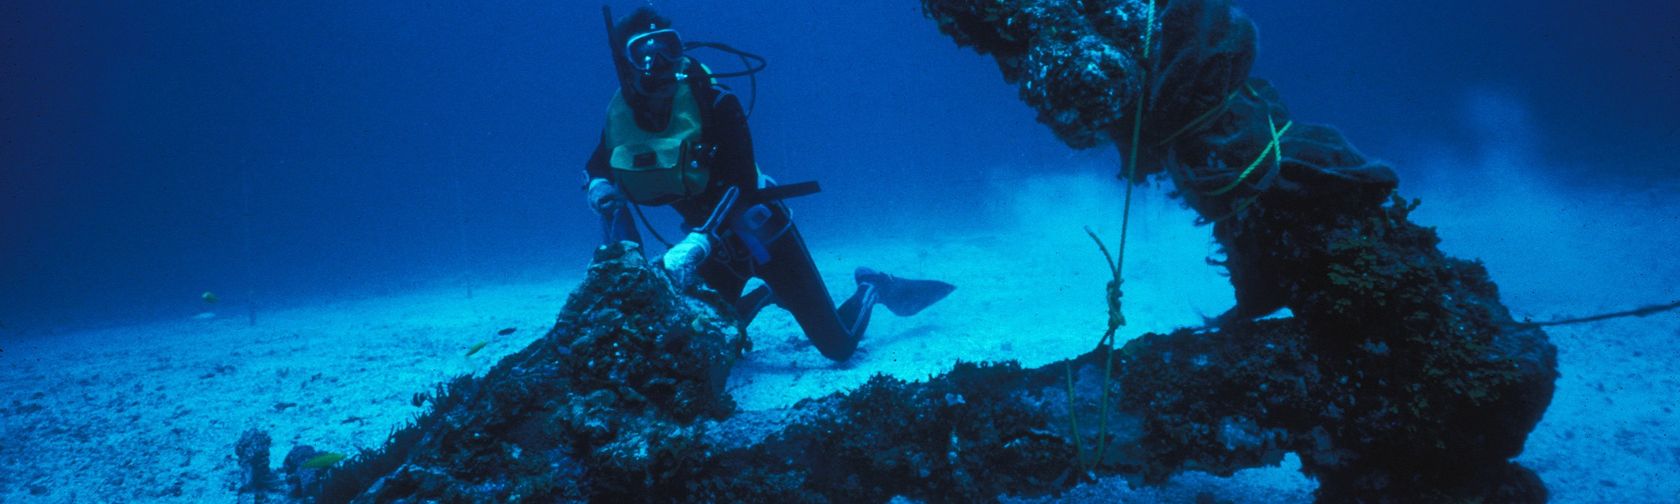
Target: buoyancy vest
pixel 657 167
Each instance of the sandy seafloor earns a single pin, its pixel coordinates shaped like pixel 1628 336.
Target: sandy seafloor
pixel 150 412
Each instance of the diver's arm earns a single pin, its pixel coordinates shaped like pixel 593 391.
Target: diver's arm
pixel 598 188
pixel 597 167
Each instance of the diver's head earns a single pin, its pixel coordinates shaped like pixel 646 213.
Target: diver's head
pixel 653 53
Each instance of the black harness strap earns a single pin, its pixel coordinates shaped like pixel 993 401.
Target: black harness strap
pixel 781 192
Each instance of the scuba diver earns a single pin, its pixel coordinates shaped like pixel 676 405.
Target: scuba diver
pixel 674 136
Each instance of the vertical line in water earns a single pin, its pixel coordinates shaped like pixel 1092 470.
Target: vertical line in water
pixel 245 239
pixel 461 229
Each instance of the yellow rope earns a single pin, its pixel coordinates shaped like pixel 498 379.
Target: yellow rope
pixel 1197 122
pixel 1131 162
pixel 1115 317
pixel 1274 147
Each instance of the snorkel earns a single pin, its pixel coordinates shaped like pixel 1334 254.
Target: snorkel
pixel 619 60
pixel 647 88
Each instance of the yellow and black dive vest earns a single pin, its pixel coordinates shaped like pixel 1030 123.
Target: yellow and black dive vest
pixel 657 167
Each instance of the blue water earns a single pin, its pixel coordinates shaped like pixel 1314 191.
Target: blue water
pixel 284 153
pixel 272 152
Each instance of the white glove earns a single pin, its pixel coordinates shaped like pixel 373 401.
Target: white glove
pixel 683 259
pixel 604 197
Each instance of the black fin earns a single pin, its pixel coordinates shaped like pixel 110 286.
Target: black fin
pixel 905 296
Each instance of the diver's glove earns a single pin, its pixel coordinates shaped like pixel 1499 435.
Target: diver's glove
pixel 604 197
pixel 683 259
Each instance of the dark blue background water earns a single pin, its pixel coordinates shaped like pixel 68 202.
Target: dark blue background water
pixel 278 152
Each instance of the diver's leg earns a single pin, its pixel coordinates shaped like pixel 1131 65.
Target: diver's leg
pixel 856 310
pixel 799 288
pixel 727 275
pixel 753 302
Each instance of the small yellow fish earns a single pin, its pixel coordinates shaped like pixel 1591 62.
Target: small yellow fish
pixel 476 347
pixel 323 460
pixel 210 297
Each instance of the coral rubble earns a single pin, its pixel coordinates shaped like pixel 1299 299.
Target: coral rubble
pixel 575 418
pixel 1424 387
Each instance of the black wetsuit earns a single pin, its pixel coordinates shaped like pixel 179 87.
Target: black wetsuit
pixel 789 272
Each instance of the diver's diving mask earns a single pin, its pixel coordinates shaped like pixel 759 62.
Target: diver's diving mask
pixel 646 51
